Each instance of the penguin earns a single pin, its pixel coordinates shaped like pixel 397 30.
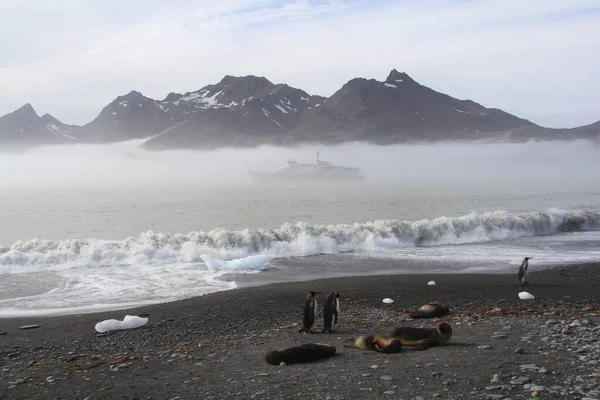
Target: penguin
pixel 331 311
pixel 309 312
pixel 523 274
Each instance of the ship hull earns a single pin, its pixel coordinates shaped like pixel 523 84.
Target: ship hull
pixel 329 176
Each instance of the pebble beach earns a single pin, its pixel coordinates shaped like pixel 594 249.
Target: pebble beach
pixel 213 346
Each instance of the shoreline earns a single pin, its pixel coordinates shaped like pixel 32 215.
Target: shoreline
pixel 242 284
pixel 415 282
pixel 213 346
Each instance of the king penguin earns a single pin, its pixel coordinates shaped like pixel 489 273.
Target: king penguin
pixel 523 274
pixel 309 312
pixel 331 311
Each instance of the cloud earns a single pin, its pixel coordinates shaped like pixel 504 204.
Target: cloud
pixel 535 59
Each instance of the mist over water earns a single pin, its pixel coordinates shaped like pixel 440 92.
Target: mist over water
pixel 119 190
pixel 563 166
pixel 88 227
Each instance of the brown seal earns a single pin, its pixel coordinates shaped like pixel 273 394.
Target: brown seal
pixel 430 310
pixel 378 343
pixel 423 338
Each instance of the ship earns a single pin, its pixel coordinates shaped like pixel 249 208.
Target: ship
pixel 308 172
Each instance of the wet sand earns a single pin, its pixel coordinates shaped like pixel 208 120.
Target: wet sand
pixel 213 346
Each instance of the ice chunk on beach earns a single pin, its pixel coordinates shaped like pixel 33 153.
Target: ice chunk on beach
pixel 387 300
pixel 258 261
pixel 129 322
pixel 431 283
pixel 526 296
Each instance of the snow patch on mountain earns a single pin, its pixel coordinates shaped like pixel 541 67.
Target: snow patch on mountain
pixel 52 127
pixel 283 110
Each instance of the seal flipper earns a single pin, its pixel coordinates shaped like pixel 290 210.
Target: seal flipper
pixel 423 344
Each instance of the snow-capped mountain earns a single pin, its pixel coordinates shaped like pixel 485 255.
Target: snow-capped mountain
pixel 251 110
pixel 24 127
pixel 400 109
pixel 237 111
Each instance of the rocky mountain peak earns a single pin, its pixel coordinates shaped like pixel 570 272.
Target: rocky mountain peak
pixel 133 95
pixel 26 111
pixel 252 80
pixel 237 88
pixel 251 110
pixel 172 97
pixel 398 77
pixel 47 118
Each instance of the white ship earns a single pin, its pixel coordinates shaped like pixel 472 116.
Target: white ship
pixel 301 172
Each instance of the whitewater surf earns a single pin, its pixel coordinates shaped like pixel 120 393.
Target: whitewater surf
pixel 89 274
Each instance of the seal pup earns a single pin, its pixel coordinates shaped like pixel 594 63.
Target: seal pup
pixel 309 312
pixel 423 338
pixel 331 311
pixel 430 310
pixel 523 274
pixel 376 342
pixel 300 354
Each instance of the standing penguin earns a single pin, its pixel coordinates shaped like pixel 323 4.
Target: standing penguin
pixel 309 312
pixel 331 311
pixel 523 274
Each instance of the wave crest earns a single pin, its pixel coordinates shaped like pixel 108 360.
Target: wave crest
pixel 291 239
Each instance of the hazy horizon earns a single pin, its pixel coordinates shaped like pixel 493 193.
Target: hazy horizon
pixel 446 163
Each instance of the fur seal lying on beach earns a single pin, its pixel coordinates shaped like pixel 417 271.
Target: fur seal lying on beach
pixel 374 342
pixel 423 338
pixel 430 310
pixel 331 311
pixel 308 312
pixel 300 354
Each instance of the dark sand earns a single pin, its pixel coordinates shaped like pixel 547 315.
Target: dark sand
pixel 213 347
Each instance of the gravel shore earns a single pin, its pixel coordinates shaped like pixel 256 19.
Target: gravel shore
pixel 213 347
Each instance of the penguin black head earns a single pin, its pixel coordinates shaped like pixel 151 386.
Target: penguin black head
pixel 528 258
pixel 312 294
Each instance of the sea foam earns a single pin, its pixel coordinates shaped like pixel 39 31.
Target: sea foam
pixel 291 239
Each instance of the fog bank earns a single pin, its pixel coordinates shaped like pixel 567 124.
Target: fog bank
pixel 568 165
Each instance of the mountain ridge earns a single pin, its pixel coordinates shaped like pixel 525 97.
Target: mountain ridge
pixel 246 111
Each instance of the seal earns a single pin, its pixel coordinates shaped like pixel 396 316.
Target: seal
pixel 300 354
pixel 423 338
pixel 375 342
pixel 430 310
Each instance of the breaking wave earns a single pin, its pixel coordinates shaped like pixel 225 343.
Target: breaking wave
pixel 291 239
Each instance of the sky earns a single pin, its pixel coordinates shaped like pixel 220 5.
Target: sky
pixel 537 59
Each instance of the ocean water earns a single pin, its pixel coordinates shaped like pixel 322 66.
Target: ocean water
pixel 88 228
